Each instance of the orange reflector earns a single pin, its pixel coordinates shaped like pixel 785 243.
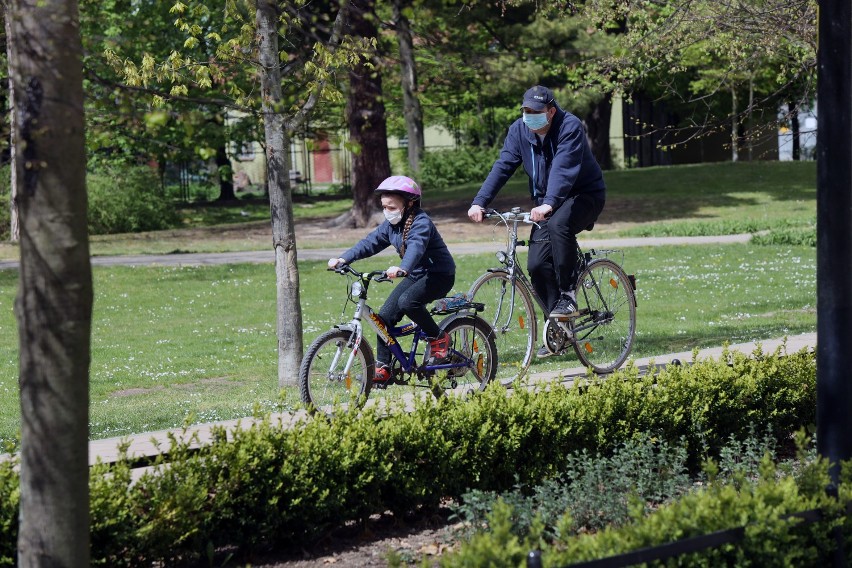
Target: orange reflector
pixel 348 381
pixel 613 282
pixel 521 321
pixel 480 365
pixel 475 346
pixel 588 347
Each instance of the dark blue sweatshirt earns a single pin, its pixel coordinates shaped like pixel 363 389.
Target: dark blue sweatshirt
pixel 559 166
pixel 425 250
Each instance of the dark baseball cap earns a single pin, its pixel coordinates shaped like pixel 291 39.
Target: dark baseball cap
pixel 537 98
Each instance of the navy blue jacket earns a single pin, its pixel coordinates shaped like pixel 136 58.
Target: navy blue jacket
pixel 562 165
pixel 425 250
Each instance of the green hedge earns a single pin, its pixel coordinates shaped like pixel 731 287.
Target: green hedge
pixel 266 484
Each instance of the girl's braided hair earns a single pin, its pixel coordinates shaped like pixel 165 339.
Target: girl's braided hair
pixel 408 222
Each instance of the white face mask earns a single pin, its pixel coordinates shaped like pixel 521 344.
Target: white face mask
pixel 393 217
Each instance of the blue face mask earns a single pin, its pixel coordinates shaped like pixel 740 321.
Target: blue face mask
pixel 535 121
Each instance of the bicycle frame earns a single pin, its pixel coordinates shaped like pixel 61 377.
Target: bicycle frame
pixel 516 273
pixel 389 335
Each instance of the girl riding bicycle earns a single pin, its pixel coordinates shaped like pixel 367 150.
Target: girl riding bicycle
pixel 425 263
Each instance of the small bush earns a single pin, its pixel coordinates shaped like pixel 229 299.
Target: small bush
pixel 445 168
pixel 128 200
pixel 790 236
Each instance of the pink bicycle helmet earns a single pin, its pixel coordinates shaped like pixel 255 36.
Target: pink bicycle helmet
pixel 400 184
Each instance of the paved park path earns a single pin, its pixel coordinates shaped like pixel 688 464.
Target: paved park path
pixel 264 256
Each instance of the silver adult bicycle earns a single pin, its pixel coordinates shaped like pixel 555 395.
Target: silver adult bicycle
pixel 601 334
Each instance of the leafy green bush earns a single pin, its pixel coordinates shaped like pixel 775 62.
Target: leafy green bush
pixel 126 200
pixel 441 169
pixel 645 470
pixel 644 473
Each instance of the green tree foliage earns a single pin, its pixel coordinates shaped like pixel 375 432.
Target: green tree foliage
pixel 715 62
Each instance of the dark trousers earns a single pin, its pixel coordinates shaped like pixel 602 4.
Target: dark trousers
pixel 552 260
pixel 409 298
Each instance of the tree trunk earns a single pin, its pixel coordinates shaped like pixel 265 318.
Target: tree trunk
pixel 408 70
pixel 366 117
pixel 796 131
pixel 597 125
pixel 14 229
pixel 54 302
pixel 734 126
pixel 226 175
pixel 280 197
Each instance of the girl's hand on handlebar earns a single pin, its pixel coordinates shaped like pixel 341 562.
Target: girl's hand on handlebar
pixel 541 212
pixel 395 272
pixel 335 263
pixel 476 213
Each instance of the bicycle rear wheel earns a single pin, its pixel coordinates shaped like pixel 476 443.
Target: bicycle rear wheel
pixel 606 326
pixel 322 381
pixel 515 325
pixel 471 343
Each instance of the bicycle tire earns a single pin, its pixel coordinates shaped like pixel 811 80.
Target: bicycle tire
pixel 322 384
pixel 470 338
pixel 515 328
pixel 606 327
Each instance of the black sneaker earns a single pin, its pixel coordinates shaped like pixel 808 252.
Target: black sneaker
pixel 566 307
pixel 543 352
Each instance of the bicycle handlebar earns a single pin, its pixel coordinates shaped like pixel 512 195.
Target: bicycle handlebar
pixel 515 215
pixel 375 275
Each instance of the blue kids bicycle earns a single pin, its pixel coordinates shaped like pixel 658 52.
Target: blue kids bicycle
pixel 339 366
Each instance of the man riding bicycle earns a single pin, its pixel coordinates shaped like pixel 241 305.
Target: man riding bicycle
pixel 566 186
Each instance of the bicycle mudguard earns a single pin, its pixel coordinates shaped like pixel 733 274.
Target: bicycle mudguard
pixel 453 304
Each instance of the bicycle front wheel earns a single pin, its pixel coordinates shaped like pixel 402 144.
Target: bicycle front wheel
pixel 606 326
pixel 471 344
pixel 324 381
pixel 511 313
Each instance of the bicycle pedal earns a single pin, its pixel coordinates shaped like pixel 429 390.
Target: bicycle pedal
pixel 565 317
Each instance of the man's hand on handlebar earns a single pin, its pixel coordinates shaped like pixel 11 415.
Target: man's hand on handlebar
pixel 476 213
pixel 334 263
pixel 541 212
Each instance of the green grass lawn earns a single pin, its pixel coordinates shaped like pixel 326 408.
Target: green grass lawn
pixel 198 344
pixel 700 199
